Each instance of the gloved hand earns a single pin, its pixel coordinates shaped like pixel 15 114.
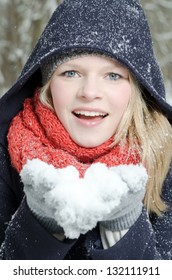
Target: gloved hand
pixel 130 207
pixel 36 185
pixel 66 201
pixel 115 226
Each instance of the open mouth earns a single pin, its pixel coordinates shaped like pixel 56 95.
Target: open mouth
pixel 89 115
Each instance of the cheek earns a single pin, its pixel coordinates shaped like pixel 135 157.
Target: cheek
pixel 58 95
pixel 121 97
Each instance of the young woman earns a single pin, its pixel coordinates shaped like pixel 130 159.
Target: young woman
pixel 86 140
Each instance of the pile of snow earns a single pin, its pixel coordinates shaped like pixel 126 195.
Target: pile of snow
pixel 77 204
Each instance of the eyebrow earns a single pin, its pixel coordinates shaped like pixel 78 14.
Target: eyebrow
pixel 75 64
pixel 114 64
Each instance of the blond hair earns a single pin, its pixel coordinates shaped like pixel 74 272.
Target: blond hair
pixel 148 130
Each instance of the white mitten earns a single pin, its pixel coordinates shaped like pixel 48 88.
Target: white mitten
pixel 130 206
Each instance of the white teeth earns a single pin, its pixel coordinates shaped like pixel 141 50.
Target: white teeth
pixel 90 114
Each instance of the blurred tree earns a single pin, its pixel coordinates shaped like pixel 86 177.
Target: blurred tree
pixel 159 13
pixel 22 21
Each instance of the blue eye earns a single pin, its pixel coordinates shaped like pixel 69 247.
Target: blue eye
pixel 114 76
pixel 70 74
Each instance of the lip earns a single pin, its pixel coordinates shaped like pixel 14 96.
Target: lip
pixel 99 117
pixel 88 109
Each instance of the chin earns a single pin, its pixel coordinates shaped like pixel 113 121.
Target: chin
pixel 89 144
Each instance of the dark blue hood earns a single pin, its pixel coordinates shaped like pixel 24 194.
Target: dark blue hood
pixel 116 28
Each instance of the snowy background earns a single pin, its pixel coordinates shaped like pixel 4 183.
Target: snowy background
pixel 22 22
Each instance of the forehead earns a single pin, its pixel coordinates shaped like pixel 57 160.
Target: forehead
pixel 93 60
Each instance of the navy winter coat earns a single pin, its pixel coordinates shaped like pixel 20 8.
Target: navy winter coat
pixel 25 238
pixel 81 25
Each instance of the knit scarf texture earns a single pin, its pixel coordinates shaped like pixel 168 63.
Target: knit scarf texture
pixel 36 132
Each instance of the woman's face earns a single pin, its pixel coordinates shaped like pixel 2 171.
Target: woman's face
pixel 90 95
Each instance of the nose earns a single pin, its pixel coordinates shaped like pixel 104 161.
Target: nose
pixel 89 89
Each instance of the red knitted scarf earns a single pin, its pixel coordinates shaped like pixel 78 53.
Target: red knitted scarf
pixel 36 132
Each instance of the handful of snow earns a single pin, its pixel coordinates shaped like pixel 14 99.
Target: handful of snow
pixel 77 204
